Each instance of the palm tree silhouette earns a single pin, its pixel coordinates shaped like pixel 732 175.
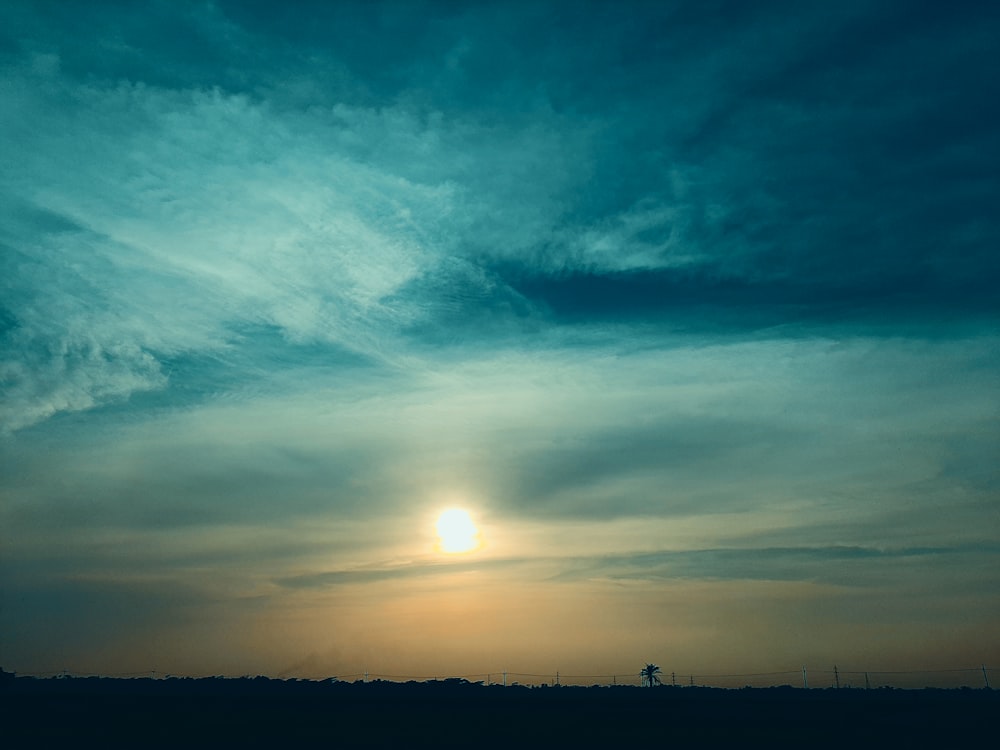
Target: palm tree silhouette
pixel 650 675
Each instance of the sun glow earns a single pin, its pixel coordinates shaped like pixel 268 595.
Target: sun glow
pixel 456 532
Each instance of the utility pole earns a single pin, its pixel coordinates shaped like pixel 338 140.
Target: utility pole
pixel 805 679
pixel 868 685
pixel 986 677
pixel 505 678
pixel 836 676
pixel 557 677
pixel 673 679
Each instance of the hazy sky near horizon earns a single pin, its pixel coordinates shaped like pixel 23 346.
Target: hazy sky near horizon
pixel 691 305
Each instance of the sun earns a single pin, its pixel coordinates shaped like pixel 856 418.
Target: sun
pixel 456 532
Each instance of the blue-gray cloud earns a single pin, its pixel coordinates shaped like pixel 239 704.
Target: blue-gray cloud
pixel 840 565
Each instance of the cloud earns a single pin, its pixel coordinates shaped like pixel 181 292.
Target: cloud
pixel 837 565
pixel 374 212
pixel 313 223
pixel 304 245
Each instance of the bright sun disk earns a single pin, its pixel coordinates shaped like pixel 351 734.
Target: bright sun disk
pixel 456 531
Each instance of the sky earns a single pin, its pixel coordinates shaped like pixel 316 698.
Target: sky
pixel 691 306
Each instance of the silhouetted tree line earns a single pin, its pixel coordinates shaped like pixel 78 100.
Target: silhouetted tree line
pixel 262 711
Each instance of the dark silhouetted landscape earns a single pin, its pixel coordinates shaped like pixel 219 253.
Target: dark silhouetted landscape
pixel 455 713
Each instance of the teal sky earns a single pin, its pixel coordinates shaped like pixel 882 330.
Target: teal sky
pixel 691 305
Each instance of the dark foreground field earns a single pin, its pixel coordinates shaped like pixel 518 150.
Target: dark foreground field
pixel 297 713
